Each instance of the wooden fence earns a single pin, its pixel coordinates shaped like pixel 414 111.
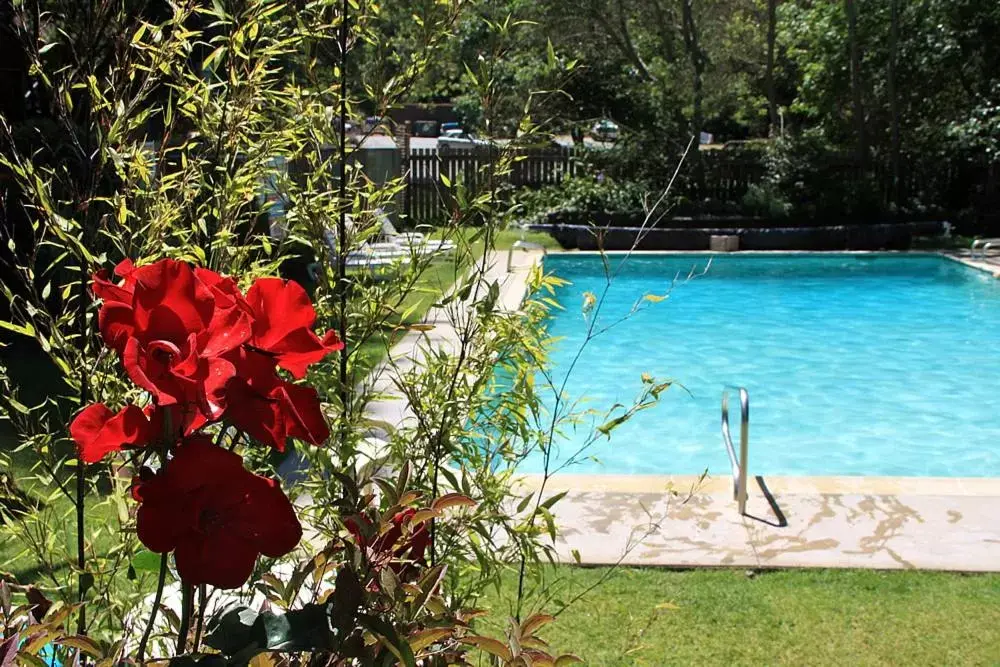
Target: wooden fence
pixel 435 178
pixel 428 200
pixel 838 186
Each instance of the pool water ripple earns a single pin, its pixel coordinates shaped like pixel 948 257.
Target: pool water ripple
pixel 856 364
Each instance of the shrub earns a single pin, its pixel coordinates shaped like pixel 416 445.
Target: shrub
pixel 579 198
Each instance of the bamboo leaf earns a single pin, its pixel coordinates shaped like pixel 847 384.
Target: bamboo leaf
pixel 554 499
pixel 24 329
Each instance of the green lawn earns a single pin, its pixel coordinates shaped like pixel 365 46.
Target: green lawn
pixel 506 239
pixel 430 287
pixel 433 283
pixel 790 617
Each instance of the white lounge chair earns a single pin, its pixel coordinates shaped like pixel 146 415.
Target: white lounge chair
pixel 387 248
pixel 368 255
pixel 413 241
pixel 984 246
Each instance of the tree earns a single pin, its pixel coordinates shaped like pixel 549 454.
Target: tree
pixel 698 62
pixel 856 95
pixel 772 102
pixel 894 98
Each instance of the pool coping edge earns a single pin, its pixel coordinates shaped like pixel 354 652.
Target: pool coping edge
pixel 830 484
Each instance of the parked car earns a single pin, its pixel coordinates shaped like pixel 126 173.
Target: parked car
pixel 458 138
pixel 448 127
pixel 605 130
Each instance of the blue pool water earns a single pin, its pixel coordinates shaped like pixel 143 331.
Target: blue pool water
pixel 856 364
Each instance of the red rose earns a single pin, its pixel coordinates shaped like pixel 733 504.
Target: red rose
pixel 214 515
pixel 172 327
pixel 282 327
pixel 183 420
pixel 112 317
pixel 270 409
pixel 97 430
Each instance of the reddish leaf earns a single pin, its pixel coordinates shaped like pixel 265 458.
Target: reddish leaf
pixel 491 646
pixel 8 649
pixel 533 623
pixel 84 644
pixel 452 500
pixel 423 515
pixel 421 639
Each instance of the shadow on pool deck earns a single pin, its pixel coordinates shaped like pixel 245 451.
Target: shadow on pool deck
pixel 947 528
pixel 779 520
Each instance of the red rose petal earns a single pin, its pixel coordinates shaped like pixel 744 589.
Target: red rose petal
pixel 98 431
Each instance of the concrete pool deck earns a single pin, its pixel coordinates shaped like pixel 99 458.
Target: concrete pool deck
pixel 863 522
pixel 838 522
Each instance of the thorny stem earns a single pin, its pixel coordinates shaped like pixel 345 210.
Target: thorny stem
pixel 81 468
pixel 201 617
pixel 187 606
pixel 342 284
pixel 168 433
pixel 141 656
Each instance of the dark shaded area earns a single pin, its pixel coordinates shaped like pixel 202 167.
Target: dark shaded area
pixel 887 236
pixel 780 520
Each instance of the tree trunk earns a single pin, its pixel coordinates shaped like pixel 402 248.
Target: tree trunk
pixel 698 62
pixel 859 110
pixel 772 102
pixel 894 99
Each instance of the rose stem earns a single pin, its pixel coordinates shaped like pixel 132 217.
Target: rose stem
pixel 187 602
pixel 168 429
pixel 201 618
pixel 156 607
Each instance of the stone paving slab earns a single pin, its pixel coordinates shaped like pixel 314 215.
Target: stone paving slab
pixel 831 528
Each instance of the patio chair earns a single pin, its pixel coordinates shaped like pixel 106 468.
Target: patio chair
pixel 376 261
pixel 984 247
pixel 367 253
pixel 413 241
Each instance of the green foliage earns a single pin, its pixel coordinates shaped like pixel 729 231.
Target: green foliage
pixel 764 201
pixel 945 78
pixel 579 199
pixel 818 182
pixel 164 134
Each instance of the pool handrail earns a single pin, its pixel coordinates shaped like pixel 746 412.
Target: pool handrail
pixel 739 465
pixel 983 246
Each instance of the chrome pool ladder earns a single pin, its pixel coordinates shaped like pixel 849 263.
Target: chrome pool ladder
pixel 739 465
pixel 983 246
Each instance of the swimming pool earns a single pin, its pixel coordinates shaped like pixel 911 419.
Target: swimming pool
pixel 856 364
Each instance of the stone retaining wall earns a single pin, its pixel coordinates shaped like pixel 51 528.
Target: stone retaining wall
pixel 885 236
